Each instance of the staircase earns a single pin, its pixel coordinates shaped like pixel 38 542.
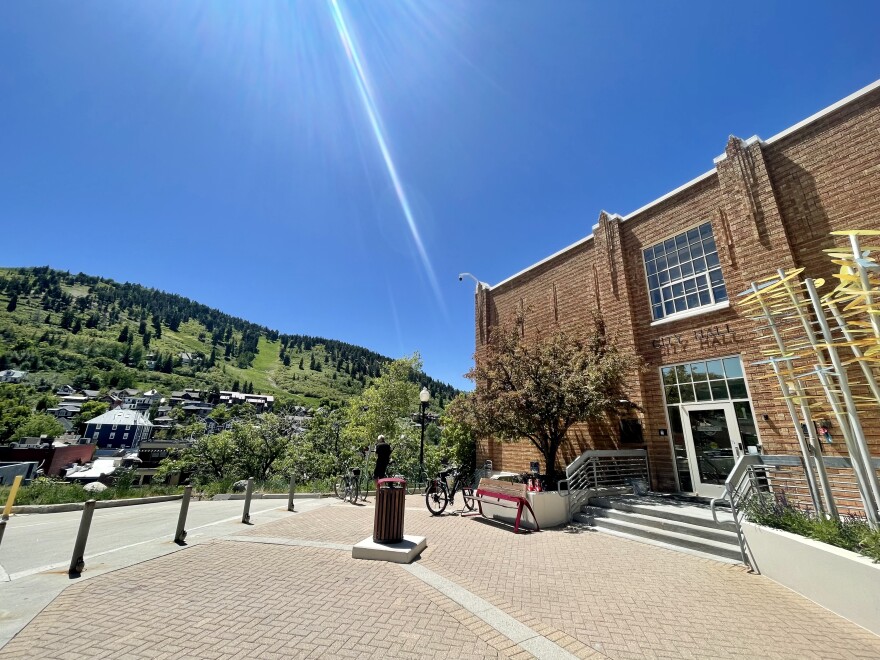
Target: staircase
pixel 682 523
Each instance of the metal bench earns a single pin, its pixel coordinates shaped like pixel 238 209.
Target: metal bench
pixel 504 494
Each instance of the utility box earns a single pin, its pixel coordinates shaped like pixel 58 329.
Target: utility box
pixel 390 507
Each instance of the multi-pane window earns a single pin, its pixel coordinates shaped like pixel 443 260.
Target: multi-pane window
pixel 684 272
pixel 712 380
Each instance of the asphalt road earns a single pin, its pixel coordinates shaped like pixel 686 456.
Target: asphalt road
pixel 35 543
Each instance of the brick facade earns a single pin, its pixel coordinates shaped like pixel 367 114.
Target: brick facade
pixel 771 205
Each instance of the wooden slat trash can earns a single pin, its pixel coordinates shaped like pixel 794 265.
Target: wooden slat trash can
pixel 390 507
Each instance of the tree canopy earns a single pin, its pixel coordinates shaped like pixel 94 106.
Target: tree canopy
pixel 538 387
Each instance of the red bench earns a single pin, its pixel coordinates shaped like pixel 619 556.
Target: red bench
pixel 504 494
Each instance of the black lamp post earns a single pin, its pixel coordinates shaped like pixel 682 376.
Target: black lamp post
pixel 424 398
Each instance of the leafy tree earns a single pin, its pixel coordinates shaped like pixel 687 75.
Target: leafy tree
pixel 537 388
pixel 260 446
pixel 221 414
pixel 457 439
pixel 385 408
pixel 37 425
pixel 15 409
pixel 90 410
pixel 211 457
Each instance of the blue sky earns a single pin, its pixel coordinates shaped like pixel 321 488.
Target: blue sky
pixel 226 151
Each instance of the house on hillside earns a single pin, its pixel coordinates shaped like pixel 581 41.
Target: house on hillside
pixel 186 359
pixel 64 390
pixel 118 429
pixel 262 402
pixel 12 376
pixel 183 397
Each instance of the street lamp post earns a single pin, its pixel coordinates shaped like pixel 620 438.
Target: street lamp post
pixel 424 398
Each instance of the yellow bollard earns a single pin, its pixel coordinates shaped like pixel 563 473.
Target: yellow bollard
pixel 11 500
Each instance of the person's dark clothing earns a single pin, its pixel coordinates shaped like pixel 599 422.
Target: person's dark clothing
pixel 383 456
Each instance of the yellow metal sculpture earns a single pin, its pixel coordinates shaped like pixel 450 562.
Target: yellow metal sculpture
pixel 823 354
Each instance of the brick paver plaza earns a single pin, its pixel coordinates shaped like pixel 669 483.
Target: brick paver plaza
pixel 291 589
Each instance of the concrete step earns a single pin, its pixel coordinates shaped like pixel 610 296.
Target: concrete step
pixel 665 524
pixel 719 549
pixel 668 509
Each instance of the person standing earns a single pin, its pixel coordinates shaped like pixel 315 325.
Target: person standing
pixel 383 457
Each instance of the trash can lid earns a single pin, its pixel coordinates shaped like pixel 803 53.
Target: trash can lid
pixel 392 480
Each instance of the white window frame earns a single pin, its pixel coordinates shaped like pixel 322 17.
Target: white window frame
pixel 692 311
pixel 112 436
pixel 667 405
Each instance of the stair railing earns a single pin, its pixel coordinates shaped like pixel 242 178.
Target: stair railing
pixel 602 468
pixel 785 478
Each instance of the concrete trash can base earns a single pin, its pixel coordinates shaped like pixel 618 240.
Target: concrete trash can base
pixel 390 507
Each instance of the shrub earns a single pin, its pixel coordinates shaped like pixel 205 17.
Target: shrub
pixel 849 532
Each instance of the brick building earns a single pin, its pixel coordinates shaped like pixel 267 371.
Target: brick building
pixel 665 279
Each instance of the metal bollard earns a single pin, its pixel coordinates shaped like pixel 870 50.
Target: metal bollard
pixel 290 494
pixel 180 534
pixel 246 514
pixel 77 561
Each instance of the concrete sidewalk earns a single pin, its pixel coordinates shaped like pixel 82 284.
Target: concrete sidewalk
pixel 290 588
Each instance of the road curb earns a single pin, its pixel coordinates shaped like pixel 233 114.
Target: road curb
pixel 222 497
pixel 101 504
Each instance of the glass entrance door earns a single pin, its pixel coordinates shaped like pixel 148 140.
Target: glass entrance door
pixel 713 444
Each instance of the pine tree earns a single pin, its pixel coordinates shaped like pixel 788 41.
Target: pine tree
pixel 146 339
pixel 77 326
pixel 301 367
pixel 123 336
pixel 142 326
pixel 13 303
pixel 235 385
pixel 286 360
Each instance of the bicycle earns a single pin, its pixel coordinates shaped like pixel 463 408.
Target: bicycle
pixel 347 486
pixel 438 494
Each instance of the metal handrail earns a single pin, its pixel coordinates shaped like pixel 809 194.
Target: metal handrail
pixel 598 468
pixel 754 473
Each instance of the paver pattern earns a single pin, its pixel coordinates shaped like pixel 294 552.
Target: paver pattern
pixel 592 594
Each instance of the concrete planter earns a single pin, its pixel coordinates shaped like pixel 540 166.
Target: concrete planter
pixel 844 582
pixel 551 510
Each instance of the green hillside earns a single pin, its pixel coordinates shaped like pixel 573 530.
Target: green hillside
pixel 95 333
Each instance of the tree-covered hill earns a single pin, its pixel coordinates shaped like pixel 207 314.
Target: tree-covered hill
pixel 94 333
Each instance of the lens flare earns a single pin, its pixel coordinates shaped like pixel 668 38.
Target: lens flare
pixel 367 98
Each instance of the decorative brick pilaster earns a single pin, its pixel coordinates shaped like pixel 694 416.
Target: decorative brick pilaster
pixel 749 211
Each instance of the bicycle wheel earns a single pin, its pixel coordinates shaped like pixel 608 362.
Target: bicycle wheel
pixel 339 488
pixel 355 490
pixel 365 489
pixel 436 498
pixel 468 503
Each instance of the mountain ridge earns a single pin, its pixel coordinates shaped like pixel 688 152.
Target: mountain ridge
pixel 64 327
